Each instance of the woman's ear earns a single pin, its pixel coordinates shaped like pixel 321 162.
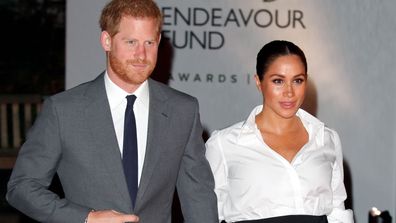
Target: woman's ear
pixel 258 82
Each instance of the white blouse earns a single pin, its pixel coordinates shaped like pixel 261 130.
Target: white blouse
pixel 254 182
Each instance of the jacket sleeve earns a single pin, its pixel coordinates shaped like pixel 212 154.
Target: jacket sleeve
pixel 195 184
pixel 34 170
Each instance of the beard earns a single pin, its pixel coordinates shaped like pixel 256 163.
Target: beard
pixel 127 73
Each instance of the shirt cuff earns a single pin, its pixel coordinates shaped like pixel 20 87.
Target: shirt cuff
pixel 340 216
pixel 86 219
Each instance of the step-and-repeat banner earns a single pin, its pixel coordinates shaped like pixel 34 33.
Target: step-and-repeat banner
pixel 209 50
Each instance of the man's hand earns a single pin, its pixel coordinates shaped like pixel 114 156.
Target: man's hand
pixel 111 216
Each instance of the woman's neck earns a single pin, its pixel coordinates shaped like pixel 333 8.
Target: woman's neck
pixel 272 123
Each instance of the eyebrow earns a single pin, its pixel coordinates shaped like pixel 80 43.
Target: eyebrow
pixel 283 76
pixel 133 38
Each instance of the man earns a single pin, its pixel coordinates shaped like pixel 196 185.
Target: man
pixel 79 135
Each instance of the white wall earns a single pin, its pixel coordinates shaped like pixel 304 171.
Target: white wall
pixel 351 54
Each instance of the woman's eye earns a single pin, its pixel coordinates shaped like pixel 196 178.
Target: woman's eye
pixel 299 80
pixel 277 81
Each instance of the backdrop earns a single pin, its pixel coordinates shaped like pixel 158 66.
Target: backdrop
pixel 209 49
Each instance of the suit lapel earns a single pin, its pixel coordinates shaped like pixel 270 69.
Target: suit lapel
pixel 158 118
pixel 98 116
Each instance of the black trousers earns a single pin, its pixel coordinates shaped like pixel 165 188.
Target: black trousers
pixel 290 219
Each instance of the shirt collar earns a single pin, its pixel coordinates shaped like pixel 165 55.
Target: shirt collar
pixel 314 126
pixel 250 123
pixel 116 95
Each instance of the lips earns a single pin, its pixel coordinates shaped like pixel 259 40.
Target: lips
pixel 139 66
pixel 287 105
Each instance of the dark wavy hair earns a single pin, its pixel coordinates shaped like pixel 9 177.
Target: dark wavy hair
pixel 274 49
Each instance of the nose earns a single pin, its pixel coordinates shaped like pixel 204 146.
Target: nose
pixel 140 52
pixel 288 90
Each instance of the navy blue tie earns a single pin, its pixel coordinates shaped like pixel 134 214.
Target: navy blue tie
pixel 130 153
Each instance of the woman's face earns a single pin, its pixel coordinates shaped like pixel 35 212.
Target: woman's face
pixel 283 86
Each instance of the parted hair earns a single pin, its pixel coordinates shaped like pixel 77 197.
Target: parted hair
pixel 274 49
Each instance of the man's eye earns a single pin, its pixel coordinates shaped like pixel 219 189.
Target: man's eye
pixel 150 43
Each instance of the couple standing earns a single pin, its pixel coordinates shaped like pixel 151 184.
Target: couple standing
pixel 80 136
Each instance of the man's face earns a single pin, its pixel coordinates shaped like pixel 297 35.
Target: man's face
pixel 132 52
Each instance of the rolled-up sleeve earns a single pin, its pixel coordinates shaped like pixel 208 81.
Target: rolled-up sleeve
pixel 339 214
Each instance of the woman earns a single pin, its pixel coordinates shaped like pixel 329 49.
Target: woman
pixel 281 164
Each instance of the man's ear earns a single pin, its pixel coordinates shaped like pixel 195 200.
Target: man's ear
pixel 105 41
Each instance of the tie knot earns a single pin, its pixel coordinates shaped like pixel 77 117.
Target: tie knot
pixel 131 99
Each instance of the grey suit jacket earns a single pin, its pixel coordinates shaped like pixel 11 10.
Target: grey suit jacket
pixel 74 137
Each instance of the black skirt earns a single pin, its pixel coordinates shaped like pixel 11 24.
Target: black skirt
pixel 290 219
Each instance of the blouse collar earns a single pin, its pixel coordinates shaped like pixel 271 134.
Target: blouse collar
pixel 314 126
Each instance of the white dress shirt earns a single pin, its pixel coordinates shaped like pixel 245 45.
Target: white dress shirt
pixel 254 182
pixel 118 102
